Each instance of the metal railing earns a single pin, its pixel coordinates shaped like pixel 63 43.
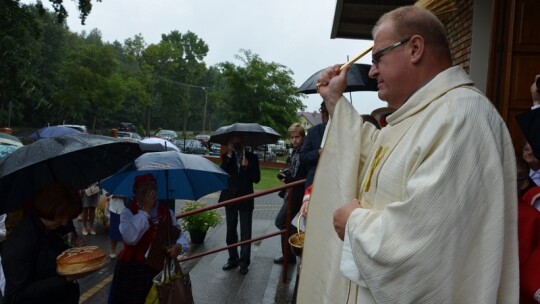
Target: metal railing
pixel 240 199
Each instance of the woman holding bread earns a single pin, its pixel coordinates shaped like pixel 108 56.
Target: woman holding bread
pixel 138 223
pixel 29 254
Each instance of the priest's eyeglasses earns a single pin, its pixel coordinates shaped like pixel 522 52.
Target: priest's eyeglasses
pixel 376 57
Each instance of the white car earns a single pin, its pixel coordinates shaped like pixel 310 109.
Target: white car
pixel 8 144
pixel 129 136
pixel 169 135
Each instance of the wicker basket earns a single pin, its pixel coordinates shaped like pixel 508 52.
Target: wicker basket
pixel 297 240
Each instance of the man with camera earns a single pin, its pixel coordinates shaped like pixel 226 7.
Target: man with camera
pixel 296 171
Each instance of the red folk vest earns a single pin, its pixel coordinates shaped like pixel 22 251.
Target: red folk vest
pixel 135 253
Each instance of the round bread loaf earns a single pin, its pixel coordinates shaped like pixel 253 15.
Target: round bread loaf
pixel 80 259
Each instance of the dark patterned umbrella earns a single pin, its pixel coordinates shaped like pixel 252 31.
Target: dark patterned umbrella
pixel 79 159
pixel 357 80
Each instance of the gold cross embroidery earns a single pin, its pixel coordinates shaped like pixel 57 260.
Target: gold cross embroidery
pixel 379 155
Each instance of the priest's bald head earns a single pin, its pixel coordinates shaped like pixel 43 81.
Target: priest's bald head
pixel 410 48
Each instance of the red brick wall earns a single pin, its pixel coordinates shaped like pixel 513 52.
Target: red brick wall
pixel 459 29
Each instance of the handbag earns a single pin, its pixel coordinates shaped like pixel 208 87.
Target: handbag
pixel 171 285
pixel 93 189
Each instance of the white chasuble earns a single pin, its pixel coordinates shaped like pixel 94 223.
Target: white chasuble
pixel 438 222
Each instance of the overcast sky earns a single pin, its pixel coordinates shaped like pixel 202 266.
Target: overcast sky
pixel 295 33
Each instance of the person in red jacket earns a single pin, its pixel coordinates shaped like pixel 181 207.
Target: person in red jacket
pixel 529 236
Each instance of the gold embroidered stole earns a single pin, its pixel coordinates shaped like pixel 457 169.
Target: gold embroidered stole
pixel 386 143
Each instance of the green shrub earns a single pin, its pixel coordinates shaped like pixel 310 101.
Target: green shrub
pixel 200 221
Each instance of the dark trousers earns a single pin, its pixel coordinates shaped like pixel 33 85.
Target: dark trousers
pixel 281 223
pixel 232 213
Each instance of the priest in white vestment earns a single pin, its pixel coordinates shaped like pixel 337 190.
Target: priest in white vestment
pixel 426 206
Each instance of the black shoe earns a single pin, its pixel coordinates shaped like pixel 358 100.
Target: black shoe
pixel 243 269
pixel 280 260
pixel 230 266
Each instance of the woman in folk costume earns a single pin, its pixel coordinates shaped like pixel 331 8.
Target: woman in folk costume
pixel 138 223
pixel 425 209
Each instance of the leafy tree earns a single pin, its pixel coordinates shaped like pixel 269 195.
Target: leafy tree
pixel 84 6
pixel 217 96
pixel 177 63
pixel 260 92
pixel 52 75
pixel 32 48
pixel 138 101
pixel 91 84
pixel 18 30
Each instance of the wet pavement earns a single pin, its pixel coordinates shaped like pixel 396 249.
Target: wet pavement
pixel 210 284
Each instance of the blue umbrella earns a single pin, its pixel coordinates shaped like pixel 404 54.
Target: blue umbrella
pixel 52 131
pixel 178 176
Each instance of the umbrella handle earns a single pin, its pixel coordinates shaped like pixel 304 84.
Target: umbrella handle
pixel 357 57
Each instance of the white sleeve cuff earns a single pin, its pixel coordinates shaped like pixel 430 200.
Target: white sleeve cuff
pixel 537 296
pixel 535 107
pixel 142 212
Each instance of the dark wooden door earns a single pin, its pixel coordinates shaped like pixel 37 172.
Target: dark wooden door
pixel 514 60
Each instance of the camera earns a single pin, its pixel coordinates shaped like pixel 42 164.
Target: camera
pixel 284 174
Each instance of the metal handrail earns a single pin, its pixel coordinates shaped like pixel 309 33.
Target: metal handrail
pixel 240 199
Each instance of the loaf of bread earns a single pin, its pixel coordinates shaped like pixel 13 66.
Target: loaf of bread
pixel 80 259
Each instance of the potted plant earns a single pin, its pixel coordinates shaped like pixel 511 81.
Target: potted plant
pixel 198 224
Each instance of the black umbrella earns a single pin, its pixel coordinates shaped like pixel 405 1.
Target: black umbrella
pixel 78 159
pixel 357 80
pixel 252 134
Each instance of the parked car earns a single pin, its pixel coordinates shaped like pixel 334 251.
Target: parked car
pixel 129 136
pixel 194 146
pixel 203 138
pixel 281 149
pixel 8 144
pixel 180 143
pixel 169 135
pixel 265 154
pixel 127 127
pixel 215 149
pixel 81 128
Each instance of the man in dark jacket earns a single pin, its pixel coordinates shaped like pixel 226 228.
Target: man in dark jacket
pixel 529 122
pixel 243 169
pixel 311 149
